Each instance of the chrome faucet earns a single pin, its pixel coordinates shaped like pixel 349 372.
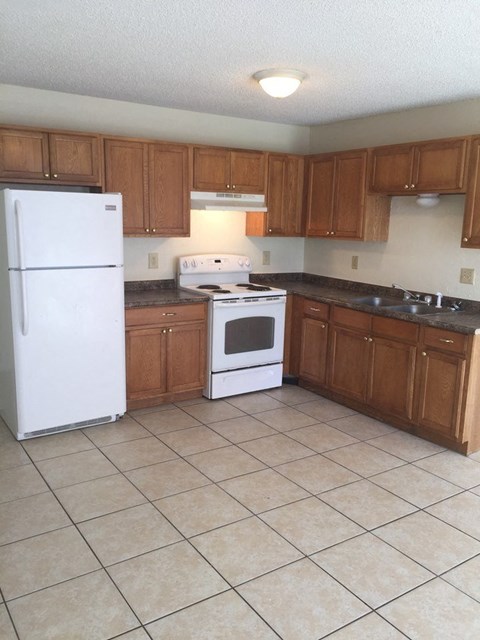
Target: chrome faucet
pixel 407 295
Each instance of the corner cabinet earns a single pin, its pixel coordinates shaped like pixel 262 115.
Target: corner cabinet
pixel 219 169
pixel 437 166
pixel 153 179
pixel 166 353
pixel 284 195
pixel 337 203
pixel 50 157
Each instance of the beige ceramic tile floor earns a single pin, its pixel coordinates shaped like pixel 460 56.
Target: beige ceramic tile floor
pixel 271 515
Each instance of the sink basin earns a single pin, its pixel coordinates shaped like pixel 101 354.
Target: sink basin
pixel 376 301
pixel 419 309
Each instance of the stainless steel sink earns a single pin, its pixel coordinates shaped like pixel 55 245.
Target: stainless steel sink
pixel 419 309
pixel 376 301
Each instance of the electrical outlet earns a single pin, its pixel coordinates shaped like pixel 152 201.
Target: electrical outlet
pixel 265 257
pixel 354 262
pixel 153 260
pixel 467 276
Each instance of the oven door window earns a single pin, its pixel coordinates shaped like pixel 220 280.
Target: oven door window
pixel 249 334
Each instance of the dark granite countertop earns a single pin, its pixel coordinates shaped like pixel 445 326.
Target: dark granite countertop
pixel 153 293
pixel 344 292
pixel 322 289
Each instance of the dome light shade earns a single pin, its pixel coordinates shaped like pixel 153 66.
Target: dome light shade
pixel 427 200
pixel 279 83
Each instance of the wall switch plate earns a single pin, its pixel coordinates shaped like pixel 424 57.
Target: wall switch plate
pixel 467 276
pixel 354 262
pixel 153 260
pixel 265 257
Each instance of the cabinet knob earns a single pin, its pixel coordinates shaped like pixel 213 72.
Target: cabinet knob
pixel 412 186
pixel 424 353
pixel 170 330
pixel 46 175
pixel 332 233
pixel 406 186
pixel 370 339
pixel 322 326
pixel 154 230
pixel 164 331
pixel 147 230
pixel 269 231
pixel 55 175
pixel 365 338
pixel 228 186
pixel 465 239
pixel 233 186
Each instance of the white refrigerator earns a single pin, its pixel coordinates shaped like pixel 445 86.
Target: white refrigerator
pixel 62 339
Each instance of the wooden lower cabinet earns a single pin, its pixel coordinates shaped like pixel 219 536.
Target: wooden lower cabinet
pixel 314 342
pixel 419 378
pixel 166 353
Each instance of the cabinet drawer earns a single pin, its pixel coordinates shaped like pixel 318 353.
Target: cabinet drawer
pixel 351 318
pixel 396 329
pixel 445 340
pixel 167 314
pixel 314 309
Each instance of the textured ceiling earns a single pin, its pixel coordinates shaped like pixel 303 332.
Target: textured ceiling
pixel 362 57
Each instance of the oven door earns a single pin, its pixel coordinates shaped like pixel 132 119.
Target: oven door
pixel 247 332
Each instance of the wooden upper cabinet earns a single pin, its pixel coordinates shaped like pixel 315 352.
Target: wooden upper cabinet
pixel 284 216
pixel 471 220
pixel 219 169
pixel 437 166
pixel 153 180
pixel 126 172
pixel 36 156
pixel 24 154
pixel 337 203
pixel 169 197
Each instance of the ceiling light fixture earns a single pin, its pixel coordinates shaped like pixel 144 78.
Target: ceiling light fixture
pixel 427 200
pixel 279 83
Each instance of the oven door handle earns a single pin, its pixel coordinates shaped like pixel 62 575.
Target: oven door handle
pixel 255 302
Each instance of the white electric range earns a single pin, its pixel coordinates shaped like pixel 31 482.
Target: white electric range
pixel 246 323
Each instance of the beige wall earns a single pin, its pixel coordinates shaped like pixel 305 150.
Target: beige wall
pixel 210 232
pixel 423 250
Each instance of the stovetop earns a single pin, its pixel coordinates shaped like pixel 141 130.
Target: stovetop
pixel 221 276
pixel 225 291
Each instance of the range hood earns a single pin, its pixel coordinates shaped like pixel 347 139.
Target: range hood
pixel 213 201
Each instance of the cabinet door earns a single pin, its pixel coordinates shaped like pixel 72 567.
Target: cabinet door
pixel 146 363
pixel 24 155
pixel 439 392
pixel 440 166
pixel 350 171
pixel 74 158
pixel 247 171
pixel 320 196
pixel 211 169
pixel 313 355
pixel 126 172
pixel 294 196
pixel 169 197
pixel 276 195
pixel 471 220
pixel 391 169
pixel 186 356
pixel 391 380
pixel 349 362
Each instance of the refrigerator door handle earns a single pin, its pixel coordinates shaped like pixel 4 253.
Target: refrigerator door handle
pixel 19 230
pixel 21 265
pixel 23 295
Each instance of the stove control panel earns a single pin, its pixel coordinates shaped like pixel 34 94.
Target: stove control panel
pixel 214 263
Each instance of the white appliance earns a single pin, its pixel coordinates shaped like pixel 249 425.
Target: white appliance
pixel 62 340
pixel 246 324
pixel 212 201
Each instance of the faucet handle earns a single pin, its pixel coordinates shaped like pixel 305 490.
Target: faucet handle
pixel 428 299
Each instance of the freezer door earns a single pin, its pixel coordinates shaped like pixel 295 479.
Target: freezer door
pixel 69 346
pixel 48 229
